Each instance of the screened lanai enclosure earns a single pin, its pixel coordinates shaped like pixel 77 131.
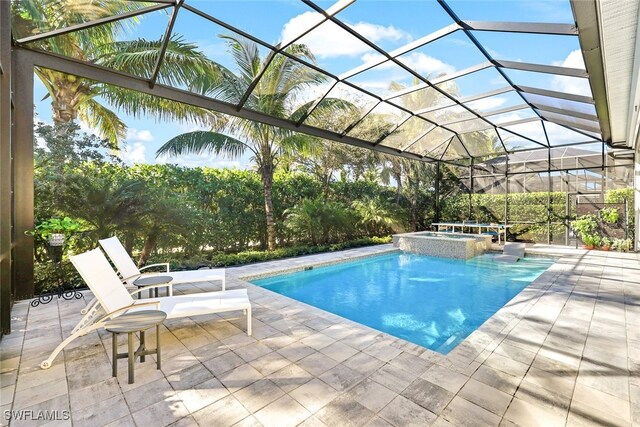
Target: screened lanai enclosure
pixel 452 84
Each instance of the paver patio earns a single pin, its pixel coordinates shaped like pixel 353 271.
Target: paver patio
pixel 565 351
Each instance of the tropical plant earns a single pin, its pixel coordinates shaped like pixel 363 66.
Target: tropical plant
pixel 585 227
pixel 74 97
pixel 317 219
pixel 108 201
pixel 44 229
pixel 606 243
pixel 591 240
pixel 609 215
pixel 281 82
pixel 622 245
pixel 375 217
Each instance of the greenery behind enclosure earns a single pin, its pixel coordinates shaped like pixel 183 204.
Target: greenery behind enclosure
pixel 202 215
pixel 196 216
pixel 526 211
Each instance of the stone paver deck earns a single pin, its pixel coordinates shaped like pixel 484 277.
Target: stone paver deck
pixel 565 351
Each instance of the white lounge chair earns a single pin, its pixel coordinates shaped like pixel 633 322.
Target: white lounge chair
pixel 130 272
pixel 114 300
pixel 512 252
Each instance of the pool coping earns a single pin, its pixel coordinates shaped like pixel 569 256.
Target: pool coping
pixel 462 357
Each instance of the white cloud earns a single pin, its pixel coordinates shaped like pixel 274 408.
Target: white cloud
pixel 421 63
pixel 487 104
pixel 575 85
pixel 427 65
pixel 88 130
pixel 190 127
pixel 373 85
pixel 329 40
pixel 133 153
pixel 376 32
pixel 418 61
pixel 139 135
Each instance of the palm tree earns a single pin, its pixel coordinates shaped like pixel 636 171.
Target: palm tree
pixel 376 217
pixel 77 98
pixel 276 94
pixel 317 218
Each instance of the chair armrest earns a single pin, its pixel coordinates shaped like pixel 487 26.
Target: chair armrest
pixel 146 288
pixel 129 307
pixel 135 276
pixel 165 264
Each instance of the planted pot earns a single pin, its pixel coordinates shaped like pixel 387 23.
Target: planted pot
pixel 588 247
pixel 606 248
pixel 56 239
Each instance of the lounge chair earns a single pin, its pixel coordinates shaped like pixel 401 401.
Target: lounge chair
pixel 114 300
pixel 130 272
pixel 512 252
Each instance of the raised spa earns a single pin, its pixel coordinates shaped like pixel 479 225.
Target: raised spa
pixel 446 245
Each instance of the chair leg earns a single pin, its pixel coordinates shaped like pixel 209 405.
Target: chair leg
pixel 249 321
pixel 114 352
pixel 131 358
pixel 158 362
pixel 89 306
pixel 46 364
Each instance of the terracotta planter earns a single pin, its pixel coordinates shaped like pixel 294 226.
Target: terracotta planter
pixel 587 247
pixel 606 248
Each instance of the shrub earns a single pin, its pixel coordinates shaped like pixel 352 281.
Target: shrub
pixel 250 257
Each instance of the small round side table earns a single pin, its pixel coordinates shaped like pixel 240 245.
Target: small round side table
pixel 143 282
pixel 130 323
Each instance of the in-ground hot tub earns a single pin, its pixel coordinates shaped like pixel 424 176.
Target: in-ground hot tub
pixel 446 245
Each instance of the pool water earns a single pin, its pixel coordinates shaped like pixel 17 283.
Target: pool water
pixel 433 302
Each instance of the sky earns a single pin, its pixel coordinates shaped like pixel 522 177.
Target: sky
pixel 389 24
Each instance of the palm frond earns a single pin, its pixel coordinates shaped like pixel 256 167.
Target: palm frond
pixel 183 65
pixel 246 56
pixel 299 144
pixel 107 122
pixel 138 104
pixel 199 142
pixel 327 108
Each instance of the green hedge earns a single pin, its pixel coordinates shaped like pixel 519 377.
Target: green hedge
pixel 249 257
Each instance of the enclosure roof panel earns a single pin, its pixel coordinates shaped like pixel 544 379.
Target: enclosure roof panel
pixel 450 86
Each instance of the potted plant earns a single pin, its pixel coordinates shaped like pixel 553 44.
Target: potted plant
pixel 605 244
pixel 54 230
pixel 609 215
pixel 591 241
pixel 585 228
pixel 622 245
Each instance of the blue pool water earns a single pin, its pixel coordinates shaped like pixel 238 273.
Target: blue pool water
pixel 433 302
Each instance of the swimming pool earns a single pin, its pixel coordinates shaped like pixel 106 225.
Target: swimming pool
pixel 433 302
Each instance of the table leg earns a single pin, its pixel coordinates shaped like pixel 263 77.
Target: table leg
pixel 142 346
pixel 158 346
pixel 114 352
pixel 130 357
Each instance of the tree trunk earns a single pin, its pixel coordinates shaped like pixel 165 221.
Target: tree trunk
pixel 64 102
pixel 267 183
pixel 149 245
pixel 414 188
pixel 398 177
pixel 326 179
pixel 128 243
